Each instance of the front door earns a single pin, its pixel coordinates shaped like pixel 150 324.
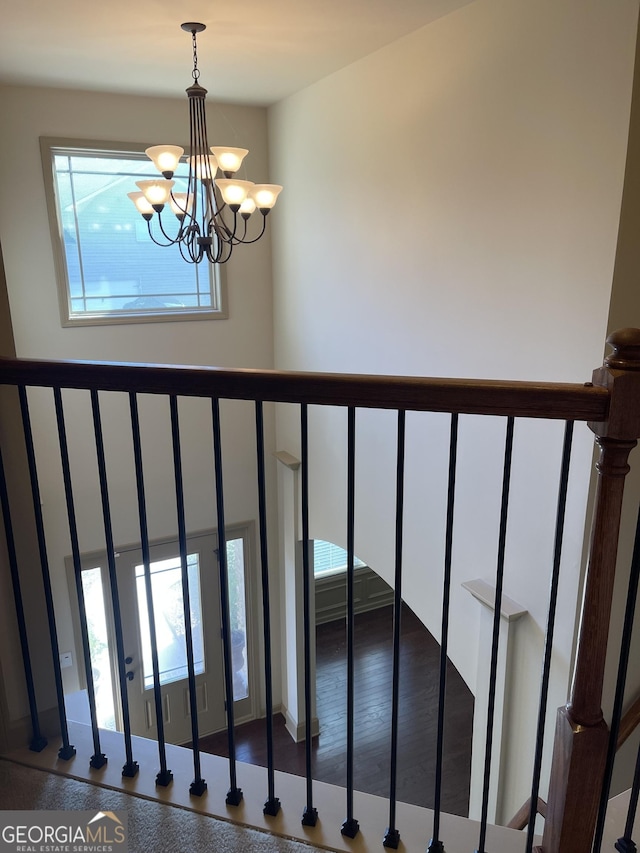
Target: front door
pixel 204 596
pixel 168 604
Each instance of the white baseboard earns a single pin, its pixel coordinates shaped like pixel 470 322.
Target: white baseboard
pixel 297 729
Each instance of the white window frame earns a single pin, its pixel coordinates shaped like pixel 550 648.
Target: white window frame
pixel 49 148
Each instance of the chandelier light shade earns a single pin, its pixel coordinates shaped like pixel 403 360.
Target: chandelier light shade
pixel 212 213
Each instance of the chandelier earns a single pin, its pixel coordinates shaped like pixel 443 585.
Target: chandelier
pixel 213 214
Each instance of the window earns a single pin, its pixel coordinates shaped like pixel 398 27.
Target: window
pixel 168 602
pixel 108 268
pixel 330 559
pixel 98 632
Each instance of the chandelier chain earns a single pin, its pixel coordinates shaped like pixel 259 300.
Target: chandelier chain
pixel 196 71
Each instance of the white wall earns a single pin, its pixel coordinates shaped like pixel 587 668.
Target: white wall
pixel 244 340
pixel 14 463
pixel 452 209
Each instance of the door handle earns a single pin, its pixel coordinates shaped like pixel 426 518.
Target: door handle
pixel 130 675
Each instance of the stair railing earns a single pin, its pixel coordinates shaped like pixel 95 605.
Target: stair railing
pixel 581 738
pixel 611 404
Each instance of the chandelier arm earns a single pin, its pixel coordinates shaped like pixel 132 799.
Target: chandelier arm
pixel 202 140
pixel 172 240
pixel 225 248
pixel 185 231
pixel 221 206
pixel 209 201
pixel 245 242
pixel 229 251
pixel 217 228
pixel 185 257
pixel 226 233
pixel 187 236
pixel 193 245
pixel 192 182
pixel 157 242
pixel 186 216
pixel 220 257
pixel 235 239
pixel 215 222
pixel 214 250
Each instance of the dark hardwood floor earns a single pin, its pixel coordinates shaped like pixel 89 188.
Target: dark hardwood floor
pixel 419 662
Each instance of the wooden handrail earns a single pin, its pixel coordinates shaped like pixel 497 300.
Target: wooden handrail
pixel 629 723
pixel 521 818
pixel 564 401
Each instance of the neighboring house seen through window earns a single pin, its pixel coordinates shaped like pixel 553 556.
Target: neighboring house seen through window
pixel 109 270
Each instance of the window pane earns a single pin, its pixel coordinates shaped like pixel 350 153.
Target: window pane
pixel 238 618
pixel 113 268
pixel 168 611
pixel 99 647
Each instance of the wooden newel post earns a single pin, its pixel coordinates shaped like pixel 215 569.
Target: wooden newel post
pixel 580 745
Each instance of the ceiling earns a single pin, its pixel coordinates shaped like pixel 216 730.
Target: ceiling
pixel 253 51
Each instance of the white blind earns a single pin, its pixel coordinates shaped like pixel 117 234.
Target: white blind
pixel 329 558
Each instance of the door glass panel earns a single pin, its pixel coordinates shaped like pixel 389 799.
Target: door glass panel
pixel 99 647
pixel 238 618
pixel 168 611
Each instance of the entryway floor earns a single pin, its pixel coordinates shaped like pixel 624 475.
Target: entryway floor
pixel 419 673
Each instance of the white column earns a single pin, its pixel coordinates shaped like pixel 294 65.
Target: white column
pixel 292 627
pixel 510 613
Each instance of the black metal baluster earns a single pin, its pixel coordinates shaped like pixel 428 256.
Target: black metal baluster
pixel 130 767
pixel 272 804
pixel 351 826
pixel 198 786
pixel 625 648
pixel 392 836
pixel 502 538
pixel 436 845
pixel 234 794
pixel 164 776
pixel 553 599
pixel 66 751
pixel 98 759
pixel 310 814
pixel 38 742
pixel 626 844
